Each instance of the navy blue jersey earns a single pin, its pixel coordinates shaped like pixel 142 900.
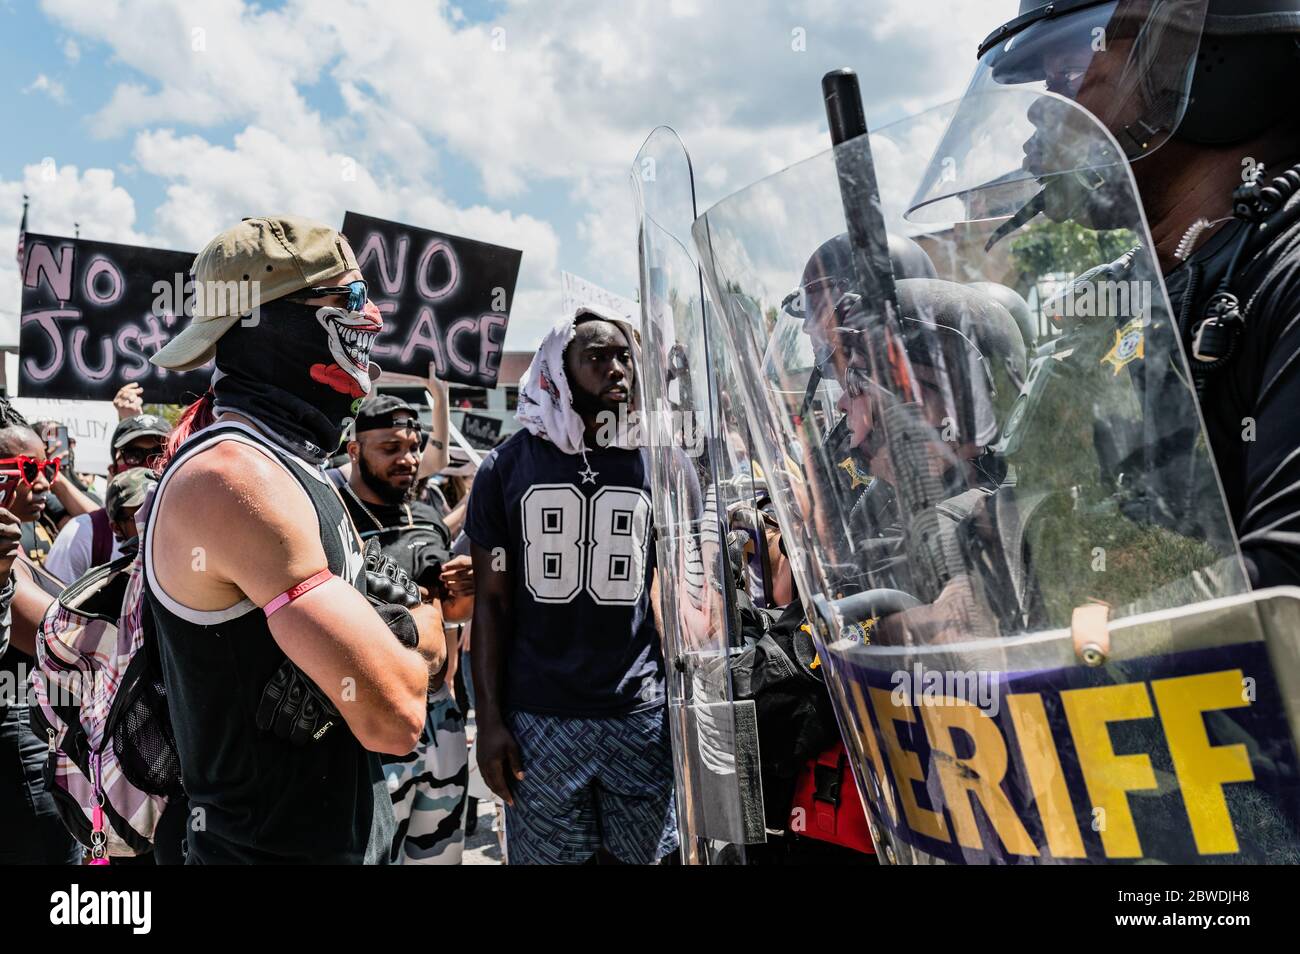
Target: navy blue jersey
pixel 579 551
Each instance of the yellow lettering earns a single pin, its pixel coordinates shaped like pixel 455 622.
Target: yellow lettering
pixel 867 738
pixel 979 775
pixel 906 766
pixel 1202 768
pixel 1109 777
pixel 1045 776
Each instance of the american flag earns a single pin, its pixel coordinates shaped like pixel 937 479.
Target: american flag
pixel 22 237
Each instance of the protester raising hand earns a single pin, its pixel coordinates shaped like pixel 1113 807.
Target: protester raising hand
pixel 129 401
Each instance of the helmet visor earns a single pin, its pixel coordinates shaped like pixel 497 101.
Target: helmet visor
pixel 1128 62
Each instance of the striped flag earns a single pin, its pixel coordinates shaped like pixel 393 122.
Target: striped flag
pixel 22 238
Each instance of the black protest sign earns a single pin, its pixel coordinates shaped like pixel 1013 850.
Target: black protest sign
pixel 480 430
pixel 445 299
pixel 92 315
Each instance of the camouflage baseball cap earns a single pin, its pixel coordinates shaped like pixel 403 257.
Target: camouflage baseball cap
pixel 128 489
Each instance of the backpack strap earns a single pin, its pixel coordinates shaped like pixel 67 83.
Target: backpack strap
pixel 101 538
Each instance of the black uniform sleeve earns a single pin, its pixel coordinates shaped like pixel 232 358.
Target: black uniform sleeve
pixel 1270 525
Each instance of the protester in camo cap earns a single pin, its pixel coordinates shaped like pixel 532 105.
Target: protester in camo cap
pixel 126 492
pixel 91 539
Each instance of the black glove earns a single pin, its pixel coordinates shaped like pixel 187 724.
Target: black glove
pixel 401 623
pixel 386 581
pixel 293 708
pixel 419 550
pixel 392 594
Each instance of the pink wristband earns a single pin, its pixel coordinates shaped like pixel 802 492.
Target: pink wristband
pixel 291 594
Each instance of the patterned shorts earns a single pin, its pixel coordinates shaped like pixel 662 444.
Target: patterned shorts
pixel 592 783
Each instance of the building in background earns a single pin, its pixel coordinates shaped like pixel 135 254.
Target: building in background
pixel 483 415
pixel 486 416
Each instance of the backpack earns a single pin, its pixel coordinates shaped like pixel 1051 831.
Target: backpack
pixel 99 700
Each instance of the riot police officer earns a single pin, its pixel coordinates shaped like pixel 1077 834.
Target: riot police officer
pixel 1198 94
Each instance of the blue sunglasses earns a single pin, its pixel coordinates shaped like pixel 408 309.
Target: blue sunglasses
pixel 357 293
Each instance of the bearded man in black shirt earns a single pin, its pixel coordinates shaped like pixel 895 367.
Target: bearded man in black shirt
pixel 385 457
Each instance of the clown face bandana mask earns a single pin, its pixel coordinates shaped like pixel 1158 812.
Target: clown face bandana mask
pixel 299 372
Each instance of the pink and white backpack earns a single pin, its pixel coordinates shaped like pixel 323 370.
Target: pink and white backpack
pixel 99 699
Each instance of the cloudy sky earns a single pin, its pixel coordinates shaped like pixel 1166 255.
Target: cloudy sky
pixel 164 121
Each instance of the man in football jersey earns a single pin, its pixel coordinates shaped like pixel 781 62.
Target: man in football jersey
pixel 568 669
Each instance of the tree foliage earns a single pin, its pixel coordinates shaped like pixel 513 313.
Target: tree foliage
pixel 1054 247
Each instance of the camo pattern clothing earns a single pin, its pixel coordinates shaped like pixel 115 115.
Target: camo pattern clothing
pixel 429 788
pixel 429 785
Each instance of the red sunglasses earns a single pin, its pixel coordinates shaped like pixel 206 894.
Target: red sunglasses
pixel 29 467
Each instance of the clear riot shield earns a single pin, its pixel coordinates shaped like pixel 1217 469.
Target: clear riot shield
pixel 699 466
pixel 1029 602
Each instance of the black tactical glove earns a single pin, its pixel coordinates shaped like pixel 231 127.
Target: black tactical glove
pixel 392 594
pixel 401 623
pixel 386 581
pixel 293 708
pixel 419 550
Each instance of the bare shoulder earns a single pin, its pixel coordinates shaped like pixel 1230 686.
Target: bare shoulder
pixel 236 483
pixel 253 523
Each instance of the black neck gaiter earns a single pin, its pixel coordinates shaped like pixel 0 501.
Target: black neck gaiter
pixel 298 371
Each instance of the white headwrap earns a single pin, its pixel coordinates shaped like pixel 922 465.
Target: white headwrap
pixel 545 399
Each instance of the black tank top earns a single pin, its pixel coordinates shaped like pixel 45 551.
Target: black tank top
pixel 255 798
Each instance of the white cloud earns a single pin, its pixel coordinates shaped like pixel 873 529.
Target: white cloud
pixel 71 51
pixel 51 88
pixel 608 230
pixel 63 195
pixel 218 62
pixel 560 109
pixel 61 198
pixel 576 89
pixel 212 186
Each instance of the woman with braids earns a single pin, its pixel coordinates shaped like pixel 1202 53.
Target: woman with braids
pixel 30 829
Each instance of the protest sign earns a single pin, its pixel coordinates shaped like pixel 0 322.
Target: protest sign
pixel 577 292
pixel 92 315
pixel 445 299
pixel 481 430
